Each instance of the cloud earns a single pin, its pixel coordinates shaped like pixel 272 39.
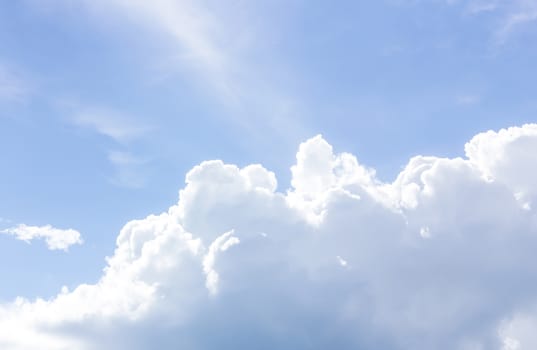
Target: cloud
pixel 119 127
pixel 508 15
pixel 216 47
pixel 12 86
pixel 520 13
pixel 513 21
pixel 506 157
pixel 193 32
pixel 56 239
pixel 441 258
pixel 129 169
pixel 481 6
pixel 518 333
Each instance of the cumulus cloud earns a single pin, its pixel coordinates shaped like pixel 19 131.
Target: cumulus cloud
pixel 441 258
pixel 56 239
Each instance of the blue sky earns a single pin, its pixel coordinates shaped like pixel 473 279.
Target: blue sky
pixel 106 105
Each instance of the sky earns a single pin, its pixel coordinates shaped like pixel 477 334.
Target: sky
pixel 268 174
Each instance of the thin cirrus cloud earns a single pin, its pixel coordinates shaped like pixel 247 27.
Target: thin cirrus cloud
pixel 510 15
pixel 217 48
pixel 481 6
pixel 55 238
pixel 523 15
pixel 441 258
pixel 514 15
pixel 117 126
pixel 195 34
pixel 13 87
pixel 129 169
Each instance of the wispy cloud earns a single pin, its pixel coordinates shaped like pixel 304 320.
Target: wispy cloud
pixel 216 48
pixel 56 239
pixel 12 86
pixel 129 169
pixel 509 15
pixel 195 34
pixel 522 13
pixel 481 6
pixel 120 127
pixel 125 132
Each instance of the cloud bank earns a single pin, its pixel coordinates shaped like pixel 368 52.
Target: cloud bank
pixel 56 239
pixel 441 258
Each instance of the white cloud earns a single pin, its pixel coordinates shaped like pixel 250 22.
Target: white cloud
pixel 520 13
pixel 442 258
pixel 56 239
pixel 129 169
pixel 216 47
pixel 221 243
pixel 507 157
pixel 342 262
pixel 518 332
pixel 510 16
pixel 191 29
pixel 118 126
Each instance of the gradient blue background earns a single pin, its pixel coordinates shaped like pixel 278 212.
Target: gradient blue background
pixel 384 80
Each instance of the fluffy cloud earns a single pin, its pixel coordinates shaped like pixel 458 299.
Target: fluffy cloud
pixel 442 258
pixel 56 239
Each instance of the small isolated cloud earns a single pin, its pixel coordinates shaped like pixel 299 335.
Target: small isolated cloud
pixel 441 258
pixel 342 262
pixel 119 127
pixel 56 239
